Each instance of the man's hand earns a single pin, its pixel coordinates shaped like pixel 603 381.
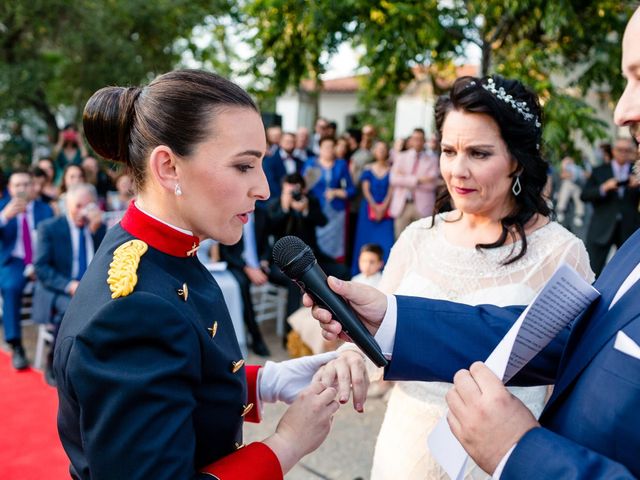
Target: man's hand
pixel 256 275
pixel 485 417
pixel 73 286
pixel 609 185
pixel 94 218
pixel 14 207
pixel 369 303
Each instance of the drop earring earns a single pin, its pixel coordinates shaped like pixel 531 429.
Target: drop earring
pixel 516 188
pixel 177 190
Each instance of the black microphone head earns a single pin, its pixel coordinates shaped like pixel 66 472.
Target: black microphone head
pixel 293 256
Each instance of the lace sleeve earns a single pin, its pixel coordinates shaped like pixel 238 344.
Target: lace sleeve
pixel 577 257
pixel 399 261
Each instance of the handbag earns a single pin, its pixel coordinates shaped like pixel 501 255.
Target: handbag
pixel 372 215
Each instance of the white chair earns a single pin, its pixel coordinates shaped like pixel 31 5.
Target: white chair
pixel 270 303
pixel 45 337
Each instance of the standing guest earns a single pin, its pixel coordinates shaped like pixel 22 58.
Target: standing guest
pixel 40 179
pixel 332 130
pixel 71 175
pixel 96 176
pixel 374 222
pixel 66 245
pixel 282 162
pixel 320 131
pixel 69 149
pixel 614 193
pixel 342 149
pixel 302 150
pixel 125 192
pixel 363 156
pixel 571 178
pixel 151 382
pixel 333 186
pixel 49 188
pixel 274 135
pixel 414 178
pixel 20 215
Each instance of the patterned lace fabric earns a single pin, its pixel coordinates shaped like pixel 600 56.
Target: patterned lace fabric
pixel 423 262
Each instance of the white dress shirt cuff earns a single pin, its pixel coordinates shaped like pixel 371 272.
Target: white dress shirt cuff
pixel 503 462
pixel 386 334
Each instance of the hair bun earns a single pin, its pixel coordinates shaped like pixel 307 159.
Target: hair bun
pixel 107 120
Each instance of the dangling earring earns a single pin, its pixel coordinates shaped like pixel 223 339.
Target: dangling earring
pixel 516 188
pixel 177 190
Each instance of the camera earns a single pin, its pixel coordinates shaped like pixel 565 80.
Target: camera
pixel 296 195
pixel 623 183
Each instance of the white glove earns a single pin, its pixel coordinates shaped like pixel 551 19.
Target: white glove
pixel 283 381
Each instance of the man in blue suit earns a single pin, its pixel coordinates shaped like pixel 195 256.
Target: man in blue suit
pixel 66 246
pixel 19 218
pixel 590 427
pixel 281 163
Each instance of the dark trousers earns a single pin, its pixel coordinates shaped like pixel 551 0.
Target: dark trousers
pixel 598 252
pixel 249 315
pixel 12 283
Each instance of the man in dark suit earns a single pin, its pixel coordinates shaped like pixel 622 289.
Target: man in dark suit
pixel 281 163
pixel 66 246
pixel 20 215
pixel 590 426
pixel 614 192
pixel 243 261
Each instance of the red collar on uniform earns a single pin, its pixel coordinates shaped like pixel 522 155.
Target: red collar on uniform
pixel 157 234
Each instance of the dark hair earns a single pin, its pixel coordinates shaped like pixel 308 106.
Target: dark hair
pixel 69 166
pixel 420 130
pixel 294 179
pixel 21 171
pixel 516 111
pixel 327 138
pixel 125 123
pixel 37 172
pixel 372 248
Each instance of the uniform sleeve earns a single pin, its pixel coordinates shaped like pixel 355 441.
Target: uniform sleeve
pixel 134 376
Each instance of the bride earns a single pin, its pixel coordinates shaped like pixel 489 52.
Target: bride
pixel 497 247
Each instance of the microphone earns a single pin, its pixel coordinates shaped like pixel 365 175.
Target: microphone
pixel 297 261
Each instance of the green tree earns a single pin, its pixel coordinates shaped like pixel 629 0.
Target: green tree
pixel 56 53
pixel 561 48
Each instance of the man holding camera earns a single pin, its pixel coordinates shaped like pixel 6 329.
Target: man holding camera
pixel 66 245
pixel 614 191
pixel 20 214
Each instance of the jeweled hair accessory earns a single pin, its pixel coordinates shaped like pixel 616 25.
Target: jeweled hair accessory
pixel 521 107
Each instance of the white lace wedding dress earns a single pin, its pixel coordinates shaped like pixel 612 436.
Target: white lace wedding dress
pixel 424 263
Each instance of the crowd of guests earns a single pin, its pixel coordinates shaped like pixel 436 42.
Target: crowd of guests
pixel 53 215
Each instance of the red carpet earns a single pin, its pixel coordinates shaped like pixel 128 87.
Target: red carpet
pixel 29 445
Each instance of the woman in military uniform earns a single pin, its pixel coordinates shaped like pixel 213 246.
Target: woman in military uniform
pixel 150 376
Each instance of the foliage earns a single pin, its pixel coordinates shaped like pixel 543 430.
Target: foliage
pixel 56 53
pixel 561 48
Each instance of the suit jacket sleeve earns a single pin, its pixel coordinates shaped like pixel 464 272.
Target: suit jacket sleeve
pixel 591 191
pixel 541 453
pixel 435 338
pixel 50 277
pixel 137 402
pixel 232 254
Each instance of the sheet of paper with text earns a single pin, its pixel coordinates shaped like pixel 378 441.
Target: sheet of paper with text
pixel 565 296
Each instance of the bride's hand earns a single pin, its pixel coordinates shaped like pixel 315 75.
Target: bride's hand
pixel 347 373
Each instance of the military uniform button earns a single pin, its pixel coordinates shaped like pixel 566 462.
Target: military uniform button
pixel 213 329
pixel 246 409
pixel 235 366
pixel 183 292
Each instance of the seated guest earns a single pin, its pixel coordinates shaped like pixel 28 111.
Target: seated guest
pixel 243 261
pixel 66 245
pixel 40 179
pixel 20 215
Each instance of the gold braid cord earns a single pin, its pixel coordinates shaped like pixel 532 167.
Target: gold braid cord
pixel 122 270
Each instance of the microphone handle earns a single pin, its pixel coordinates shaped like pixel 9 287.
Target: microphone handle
pixel 314 282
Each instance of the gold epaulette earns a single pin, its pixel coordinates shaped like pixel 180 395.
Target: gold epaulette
pixel 122 270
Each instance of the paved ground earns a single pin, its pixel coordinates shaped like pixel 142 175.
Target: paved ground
pixel 347 452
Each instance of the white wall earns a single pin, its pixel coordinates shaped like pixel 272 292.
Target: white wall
pixel 413 112
pixel 337 106
pixel 288 106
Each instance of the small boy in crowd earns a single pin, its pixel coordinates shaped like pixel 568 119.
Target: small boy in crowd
pixel 370 263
